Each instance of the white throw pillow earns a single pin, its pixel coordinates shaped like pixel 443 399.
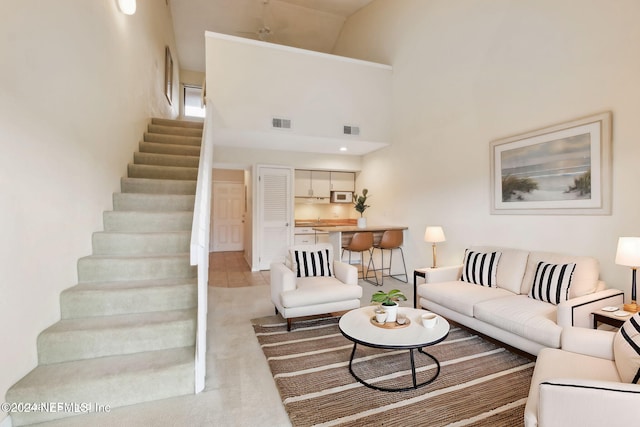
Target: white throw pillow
pixel 551 282
pixel 312 263
pixel 480 268
pixel 513 263
pixel 585 276
pixel 626 350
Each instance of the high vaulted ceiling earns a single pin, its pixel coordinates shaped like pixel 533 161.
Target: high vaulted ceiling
pixel 307 24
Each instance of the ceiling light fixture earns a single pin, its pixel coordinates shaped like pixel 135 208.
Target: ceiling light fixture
pixel 343 148
pixel 128 7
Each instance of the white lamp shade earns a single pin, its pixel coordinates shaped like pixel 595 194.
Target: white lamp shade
pixel 628 252
pixel 434 235
pixel 128 7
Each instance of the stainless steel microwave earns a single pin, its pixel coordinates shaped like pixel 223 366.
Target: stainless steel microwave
pixel 341 197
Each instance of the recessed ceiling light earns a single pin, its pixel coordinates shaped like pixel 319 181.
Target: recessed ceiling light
pixel 343 148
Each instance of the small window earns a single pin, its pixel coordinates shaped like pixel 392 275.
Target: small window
pixel 193 102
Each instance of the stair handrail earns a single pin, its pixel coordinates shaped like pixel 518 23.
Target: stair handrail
pixel 199 248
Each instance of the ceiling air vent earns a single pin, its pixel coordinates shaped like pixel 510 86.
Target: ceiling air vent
pixel 351 130
pixel 280 123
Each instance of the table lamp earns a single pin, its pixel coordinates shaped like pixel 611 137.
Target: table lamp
pixel 434 235
pixel 628 254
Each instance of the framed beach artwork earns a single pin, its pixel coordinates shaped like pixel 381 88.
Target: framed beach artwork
pixel 560 170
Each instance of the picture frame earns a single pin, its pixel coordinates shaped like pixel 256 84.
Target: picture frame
pixel 564 169
pixel 168 75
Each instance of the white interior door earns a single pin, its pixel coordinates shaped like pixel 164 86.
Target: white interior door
pixel 228 217
pixel 275 214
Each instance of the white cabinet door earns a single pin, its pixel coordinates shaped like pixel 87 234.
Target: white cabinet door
pixel 343 181
pixel 312 183
pixel 304 239
pixel 303 183
pixel 275 214
pixel 321 183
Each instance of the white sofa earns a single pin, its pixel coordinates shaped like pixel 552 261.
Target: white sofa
pixel 580 384
pixel 295 296
pixel 506 312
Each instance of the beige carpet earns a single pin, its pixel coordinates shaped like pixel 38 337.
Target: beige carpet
pixel 480 384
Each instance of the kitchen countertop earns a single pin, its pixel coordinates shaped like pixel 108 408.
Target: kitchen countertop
pixel 332 223
pixel 348 228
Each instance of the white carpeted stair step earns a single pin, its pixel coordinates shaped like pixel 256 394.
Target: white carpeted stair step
pixel 194 141
pixel 128 297
pixel 157 186
pixel 175 130
pixel 162 172
pixel 115 381
pixel 145 222
pixel 90 337
pixel 152 202
pixel 166 160
pixel 114 243
pixel 102 268
pixel 164 148
pixel 127 332
pixel 177 123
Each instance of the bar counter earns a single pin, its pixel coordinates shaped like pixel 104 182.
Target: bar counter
pixel 340 236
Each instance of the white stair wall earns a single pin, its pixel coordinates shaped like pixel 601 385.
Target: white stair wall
pixel 127 328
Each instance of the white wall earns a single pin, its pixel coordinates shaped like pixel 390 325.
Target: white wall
pixel 79 81
pixel 251 82
pixel 469 72
pixel 194 78
pixel 299 160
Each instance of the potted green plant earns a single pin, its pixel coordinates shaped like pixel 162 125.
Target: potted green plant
pixel 389 302
pixel 360 205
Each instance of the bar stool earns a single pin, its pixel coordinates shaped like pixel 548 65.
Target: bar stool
pixel 361 242
pixel 391 240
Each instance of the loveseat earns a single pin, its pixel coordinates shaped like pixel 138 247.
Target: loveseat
pixel 581 385
pixel 503 306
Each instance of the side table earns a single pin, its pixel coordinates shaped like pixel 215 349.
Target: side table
pixel 418 272
pixel 608 318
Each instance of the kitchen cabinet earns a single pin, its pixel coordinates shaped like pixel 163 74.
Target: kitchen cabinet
pixel 343 181
pixel 310 183
pixel 308 236
pixel 304 239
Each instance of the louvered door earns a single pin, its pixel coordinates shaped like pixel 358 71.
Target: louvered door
pixel 275 214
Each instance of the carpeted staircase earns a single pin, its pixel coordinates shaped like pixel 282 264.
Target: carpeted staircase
pixel 127 329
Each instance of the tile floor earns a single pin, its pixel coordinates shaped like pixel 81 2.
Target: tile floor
pixel 230 270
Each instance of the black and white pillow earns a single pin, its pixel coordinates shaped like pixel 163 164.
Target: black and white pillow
pixel 312 263
pixel 626 350
pixel 551 282
pixel 481 268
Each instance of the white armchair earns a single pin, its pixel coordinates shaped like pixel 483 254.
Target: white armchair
pixel 311 282
pixel 580 385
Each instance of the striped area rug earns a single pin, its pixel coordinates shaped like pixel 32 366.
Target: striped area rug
pixel 480 384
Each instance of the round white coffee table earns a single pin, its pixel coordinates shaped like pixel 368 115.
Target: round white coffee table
pixel 356 325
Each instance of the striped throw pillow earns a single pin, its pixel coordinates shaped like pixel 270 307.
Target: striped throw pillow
pixel 312 263
pixel 480 268
pixel 551 282
pixel 626 350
